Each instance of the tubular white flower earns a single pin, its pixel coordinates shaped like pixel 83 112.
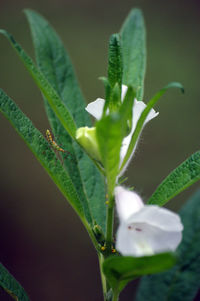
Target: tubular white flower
pixel 95 108
pixel 144 229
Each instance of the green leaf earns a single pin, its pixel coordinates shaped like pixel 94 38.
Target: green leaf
pixel 115 99
pixel 109 136
pixel 178 180
pixel 50 94
pixel 143 117
pixel 110 131
pixel 126 109
pixel 41 149
pixel 115 67
pixel 11 286
pixel 133 40
pixel 181 283
pixel 120 270
pixel 107 88
pixel 55 64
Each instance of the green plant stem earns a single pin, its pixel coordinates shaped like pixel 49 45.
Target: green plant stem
pixel 109 224
pixel 91 234
pixel 103 278
pixel 108 244
pixel 115 296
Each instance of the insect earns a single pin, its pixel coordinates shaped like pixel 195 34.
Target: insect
pixel 54 145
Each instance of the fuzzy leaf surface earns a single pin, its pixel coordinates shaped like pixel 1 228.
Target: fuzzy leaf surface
pixel 51 95
pixel 54 63
pixel 11 285
pixel 120 270
pixel 133 40
pixel 181 283
pixel 42 151
pixel 178 180
pixel 115 61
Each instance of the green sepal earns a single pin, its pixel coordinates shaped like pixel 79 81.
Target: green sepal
pixel 186 174
pixel 143 117
pixel 11 285
pixel 120 270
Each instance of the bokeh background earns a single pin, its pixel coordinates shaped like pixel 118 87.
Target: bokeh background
pixel 42 241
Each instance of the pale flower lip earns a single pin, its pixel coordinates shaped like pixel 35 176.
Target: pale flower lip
pixel 95 108
pixel 144 229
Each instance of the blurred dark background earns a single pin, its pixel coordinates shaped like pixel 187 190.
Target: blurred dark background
pixel 43 243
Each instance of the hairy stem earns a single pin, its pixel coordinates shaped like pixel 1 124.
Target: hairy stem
pixel 109 224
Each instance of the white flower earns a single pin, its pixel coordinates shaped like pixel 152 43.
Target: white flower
pixel 144 229
pixel 95 108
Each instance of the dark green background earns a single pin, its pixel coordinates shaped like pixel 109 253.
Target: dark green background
pixel 42 241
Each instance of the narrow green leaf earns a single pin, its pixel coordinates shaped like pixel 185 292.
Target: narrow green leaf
pixel 133 41
pixel 110 132
pixel 143 117
pixel 50 94
pixel 126 109
pixel 178 180
pixel 55 64
pixel 115 67
pixel 11 285
pixel 120 270
pixel 181 283
pixel 41 149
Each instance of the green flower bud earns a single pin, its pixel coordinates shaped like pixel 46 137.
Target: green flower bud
pixel 86 137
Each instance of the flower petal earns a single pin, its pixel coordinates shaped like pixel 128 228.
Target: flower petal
pixel 140 239
pixel 95 108
pixel 127 203
pixel 158 217
pixel 148 230
pixel 138 108
pixel 124 90
pixel 125 243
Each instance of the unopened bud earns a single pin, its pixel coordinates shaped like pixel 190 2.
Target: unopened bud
pixel 86 137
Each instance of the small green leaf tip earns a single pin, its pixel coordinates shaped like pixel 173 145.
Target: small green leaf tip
pixel 175 85
pixel 133 41
pixel 115 60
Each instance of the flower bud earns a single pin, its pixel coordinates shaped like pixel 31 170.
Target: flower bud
pixel 86 137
